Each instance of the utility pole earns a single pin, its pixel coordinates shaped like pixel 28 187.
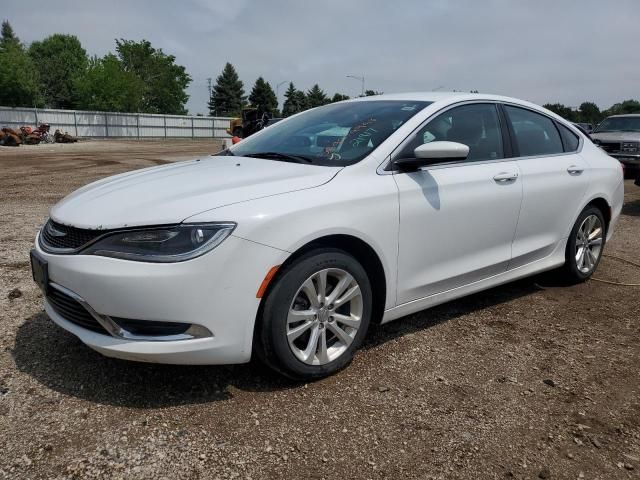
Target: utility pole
pixel 355 77
pixel 209 87
pixel 278 90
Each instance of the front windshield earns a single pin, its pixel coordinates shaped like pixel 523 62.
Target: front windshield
pixel 338 134
pixel 619 124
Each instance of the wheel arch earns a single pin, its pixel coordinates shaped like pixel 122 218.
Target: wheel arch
pixel 364 253
pixel 603 205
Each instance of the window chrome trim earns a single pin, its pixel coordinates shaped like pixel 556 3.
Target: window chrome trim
pixel 383 168
pixel 115 330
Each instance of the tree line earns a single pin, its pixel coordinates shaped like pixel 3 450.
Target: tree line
pixel 588 112
pixel 57 73
pixel 228 96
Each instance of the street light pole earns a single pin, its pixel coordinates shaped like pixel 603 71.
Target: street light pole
pixel 278 90
pixel 355 77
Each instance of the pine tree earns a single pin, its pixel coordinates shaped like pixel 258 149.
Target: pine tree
pixel 295 101
pixel 263 97
pixel 227 96
pixel 316 97
pixel 7 34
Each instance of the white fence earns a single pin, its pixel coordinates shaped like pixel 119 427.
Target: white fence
pixel 110 124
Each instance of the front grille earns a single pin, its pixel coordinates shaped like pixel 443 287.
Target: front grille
pixel 55 235
pixel 610 147
pixel 71 310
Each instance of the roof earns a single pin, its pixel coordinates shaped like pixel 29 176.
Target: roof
pixel 625 115
pixel 445 97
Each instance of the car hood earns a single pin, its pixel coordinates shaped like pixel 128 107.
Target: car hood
pixel 171 193
pixel 616 136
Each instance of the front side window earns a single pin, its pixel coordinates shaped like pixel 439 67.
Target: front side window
pixel 337 135
pixel 535 134
pixel 475 125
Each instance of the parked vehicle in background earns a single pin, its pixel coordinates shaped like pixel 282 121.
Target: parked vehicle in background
pixel 253 120
pixel 293 241
pixel 587 127
pixel 619 136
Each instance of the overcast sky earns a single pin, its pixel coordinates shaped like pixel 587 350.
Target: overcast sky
pixel 540 50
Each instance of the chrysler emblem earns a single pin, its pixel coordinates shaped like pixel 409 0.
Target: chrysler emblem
pixel 54 232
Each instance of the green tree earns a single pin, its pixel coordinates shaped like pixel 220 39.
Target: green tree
pixel 227 96
pixel 165 82
pixel 263 97
pixel 565 112
pixel 371 93
pixel 60 60
pixel 107 86
pixel 8 34
pixel 628 106
pixel 589 113
pixel 18 75
pixel 316 97
pixel 338 97
pixel 295 101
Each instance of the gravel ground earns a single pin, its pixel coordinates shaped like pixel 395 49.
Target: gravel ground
pixel 528 380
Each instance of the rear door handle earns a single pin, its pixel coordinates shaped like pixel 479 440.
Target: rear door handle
pixel 506 177
pixel 575 170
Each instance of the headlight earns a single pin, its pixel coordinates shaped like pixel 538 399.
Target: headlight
pixel 170 244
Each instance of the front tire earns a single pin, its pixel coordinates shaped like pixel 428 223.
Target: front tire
pixel 316 315
pixel 585 245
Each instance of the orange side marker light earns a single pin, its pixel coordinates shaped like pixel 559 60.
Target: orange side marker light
pixel 267 279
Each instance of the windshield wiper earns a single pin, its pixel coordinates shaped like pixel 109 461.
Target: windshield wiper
pixel 225 153
pixel 285 157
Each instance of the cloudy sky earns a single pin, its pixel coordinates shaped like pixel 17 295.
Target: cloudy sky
pixel 563 51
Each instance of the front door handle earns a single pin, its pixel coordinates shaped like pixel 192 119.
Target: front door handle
pixel 575 170
pixel 506 177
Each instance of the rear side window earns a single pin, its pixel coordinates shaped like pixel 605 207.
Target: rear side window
pixel 570 139
pixel 535 134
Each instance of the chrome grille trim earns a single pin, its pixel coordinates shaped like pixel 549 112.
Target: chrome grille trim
pixel 57 238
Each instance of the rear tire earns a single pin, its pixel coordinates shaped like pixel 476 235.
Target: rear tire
pixel 584 246
pixel 315 316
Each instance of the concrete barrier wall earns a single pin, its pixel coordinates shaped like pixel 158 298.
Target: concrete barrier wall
pixel 110 124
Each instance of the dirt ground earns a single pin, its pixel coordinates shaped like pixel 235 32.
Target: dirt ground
pixel 528 380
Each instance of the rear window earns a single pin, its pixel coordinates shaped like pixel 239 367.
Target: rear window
pixel 570 139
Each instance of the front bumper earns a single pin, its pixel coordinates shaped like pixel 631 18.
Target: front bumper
pixel 216 291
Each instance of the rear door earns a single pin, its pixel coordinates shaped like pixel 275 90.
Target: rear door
pixel 457 219
pixel 554 181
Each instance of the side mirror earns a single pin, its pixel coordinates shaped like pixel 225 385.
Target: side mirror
pixel 433 152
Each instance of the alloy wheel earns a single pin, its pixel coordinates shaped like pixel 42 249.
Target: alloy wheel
pixel 325 316
pixel 589 244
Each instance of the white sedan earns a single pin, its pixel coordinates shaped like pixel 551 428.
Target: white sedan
pixel 292 242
